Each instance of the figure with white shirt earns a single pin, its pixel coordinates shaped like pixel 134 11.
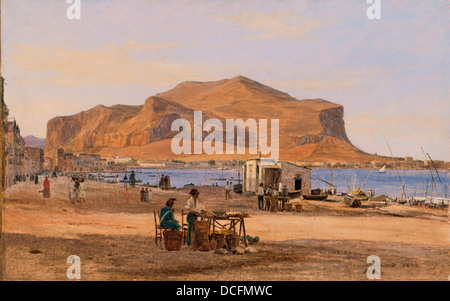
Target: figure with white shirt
pixel 261 197
pixel 194 208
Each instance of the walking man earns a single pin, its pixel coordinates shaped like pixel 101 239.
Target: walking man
pixel 260 197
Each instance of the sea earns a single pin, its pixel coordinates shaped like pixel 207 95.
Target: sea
pixel 416 182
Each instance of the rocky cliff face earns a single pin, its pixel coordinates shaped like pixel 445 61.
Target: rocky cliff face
pixel 140 131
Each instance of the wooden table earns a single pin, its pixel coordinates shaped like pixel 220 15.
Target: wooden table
pixel 229 223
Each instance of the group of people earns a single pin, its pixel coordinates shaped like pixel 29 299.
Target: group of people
pixel 193 207
pixel 228 189
pixel 164 182
pixel 271 192
pixel 132 180
pixel 146 195
pixel 77 190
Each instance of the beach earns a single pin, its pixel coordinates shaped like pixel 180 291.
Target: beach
pixel 115 239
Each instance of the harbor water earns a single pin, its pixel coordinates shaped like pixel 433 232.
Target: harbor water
pixel 417 182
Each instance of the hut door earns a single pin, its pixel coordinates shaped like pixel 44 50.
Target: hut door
pixel 297 183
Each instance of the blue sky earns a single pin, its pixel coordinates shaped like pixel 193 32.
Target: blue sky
pixel 391 74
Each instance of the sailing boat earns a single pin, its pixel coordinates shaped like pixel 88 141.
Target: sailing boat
pixel 382 169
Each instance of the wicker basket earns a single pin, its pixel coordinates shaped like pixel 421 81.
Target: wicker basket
pixel 288 207
pixel 299 207
pixel 173 240
pixel 273 209
pixel 201 236
pixel 220 239
pixel 232 241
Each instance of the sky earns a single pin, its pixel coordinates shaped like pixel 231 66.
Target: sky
pixel 390 74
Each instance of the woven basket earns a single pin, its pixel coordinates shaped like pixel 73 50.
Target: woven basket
pixel 299 207
pixel 173 240
pixel 220 239
pixel 201 236
pixel 288 207
pixel 232 241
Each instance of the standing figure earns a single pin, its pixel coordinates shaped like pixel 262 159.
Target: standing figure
pixel 228 188
pixel 46 188
pixel 146 195
pixel 142 195
pixel 261 197
pixel 76 190
pixel 125 180
pixel 132 179
pixel 82 191
pixel 161 182
pixel 194 208
pixel 167 182
pixel 126 195
pixel 150 195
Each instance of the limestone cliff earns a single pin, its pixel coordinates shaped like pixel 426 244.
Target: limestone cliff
pixel 141 131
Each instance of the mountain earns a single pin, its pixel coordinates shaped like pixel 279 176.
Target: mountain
pixel 31 141
pixel 310 129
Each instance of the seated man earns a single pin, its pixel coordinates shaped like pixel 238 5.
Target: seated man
pixel 167 218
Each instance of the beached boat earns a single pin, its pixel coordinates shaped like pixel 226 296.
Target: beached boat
pixel 315 197
pixel 353 201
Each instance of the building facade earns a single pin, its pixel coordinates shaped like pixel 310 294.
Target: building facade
pixel 293 176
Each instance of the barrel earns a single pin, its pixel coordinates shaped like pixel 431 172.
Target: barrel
pixel 288 207
pixel 173 240
pixel 201 236
pixel 299 207
pixel 232 241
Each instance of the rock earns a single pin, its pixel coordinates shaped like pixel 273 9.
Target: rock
pixel 240 250
pixel 250 250
pixel 221 251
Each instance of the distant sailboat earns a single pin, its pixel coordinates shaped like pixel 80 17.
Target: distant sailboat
pixel 382 169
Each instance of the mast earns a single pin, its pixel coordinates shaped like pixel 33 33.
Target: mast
pixel 366 179
pixel 429 169
pixel 437 173
pixel 398 173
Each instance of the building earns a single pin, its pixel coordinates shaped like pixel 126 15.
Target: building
pixel 16 159
pixel 65 161
pixel 123 159
pixel 150 164
pixel 294 176
pixel 35 159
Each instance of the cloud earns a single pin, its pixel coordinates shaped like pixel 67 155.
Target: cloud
pixel 107 65
pixel 279 25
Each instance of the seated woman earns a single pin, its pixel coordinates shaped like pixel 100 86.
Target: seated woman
pixel 167 218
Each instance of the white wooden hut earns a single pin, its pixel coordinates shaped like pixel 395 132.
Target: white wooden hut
pixel 294 176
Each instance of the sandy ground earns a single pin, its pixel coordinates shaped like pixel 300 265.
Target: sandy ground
pixel 116 240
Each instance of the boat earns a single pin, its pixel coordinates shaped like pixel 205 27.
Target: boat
pixel 353 202
pixel 237 188
pixel 315 197
pixel 382 169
